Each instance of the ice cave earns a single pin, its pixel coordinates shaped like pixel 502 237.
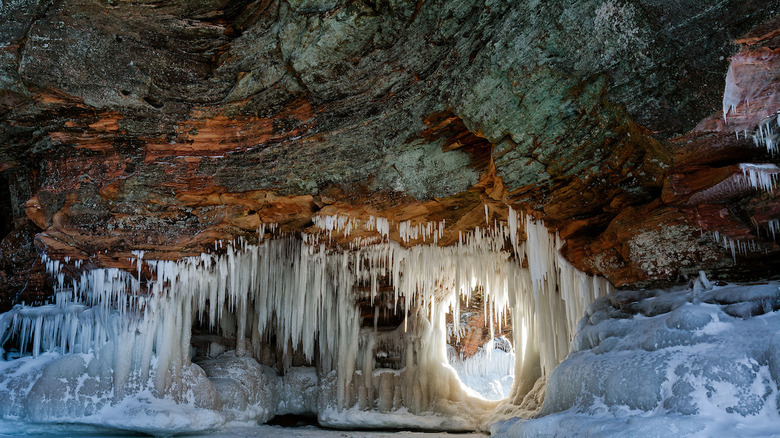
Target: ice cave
pixel 359 218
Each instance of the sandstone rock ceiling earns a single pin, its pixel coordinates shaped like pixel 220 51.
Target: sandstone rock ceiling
pixel 164 125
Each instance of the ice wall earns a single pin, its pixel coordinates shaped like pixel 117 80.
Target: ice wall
pixel 702 361
pixel 751 98
pixel 750 81
pixel 301 293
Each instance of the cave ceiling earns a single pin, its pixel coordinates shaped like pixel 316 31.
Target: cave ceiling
pixel 166 125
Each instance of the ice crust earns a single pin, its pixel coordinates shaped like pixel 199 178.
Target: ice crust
pixel 695 362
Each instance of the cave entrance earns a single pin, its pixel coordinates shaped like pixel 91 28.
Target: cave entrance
pixel 294 420
pixel 480 347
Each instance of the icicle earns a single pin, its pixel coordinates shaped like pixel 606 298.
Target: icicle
pixel 303 293
pixel 732 96
pixel 766 136
pixel 760 176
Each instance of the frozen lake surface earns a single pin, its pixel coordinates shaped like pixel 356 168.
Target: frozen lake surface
pixel 316 432
pixel 259 431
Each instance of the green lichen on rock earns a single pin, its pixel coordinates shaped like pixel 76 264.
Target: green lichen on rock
pixel 423 169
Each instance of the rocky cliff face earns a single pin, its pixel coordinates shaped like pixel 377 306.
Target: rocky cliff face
pixel 164 126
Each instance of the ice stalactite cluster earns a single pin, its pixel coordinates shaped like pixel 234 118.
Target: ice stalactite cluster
pixel 751 95
pixel 748 80
pixel 737 246
pixel 295 297
pixel 774 226
pixel 408 231
pixel 767 134
pixel 759 176
pixel 750 176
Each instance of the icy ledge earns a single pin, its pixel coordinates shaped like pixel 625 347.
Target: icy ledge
pixel 695 362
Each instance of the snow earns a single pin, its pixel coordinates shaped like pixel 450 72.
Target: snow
pixel 690 362
pixel 316 432
pixel 118 351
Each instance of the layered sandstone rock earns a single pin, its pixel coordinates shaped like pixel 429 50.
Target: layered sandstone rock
pixel 166 126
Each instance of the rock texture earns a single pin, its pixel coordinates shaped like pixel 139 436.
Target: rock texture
pixel 164 126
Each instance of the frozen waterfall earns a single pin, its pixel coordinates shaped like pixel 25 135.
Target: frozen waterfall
pixel 288 305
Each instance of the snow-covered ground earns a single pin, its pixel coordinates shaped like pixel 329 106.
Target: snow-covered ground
pixel 701 362
pixel 316 432
pixel 248 431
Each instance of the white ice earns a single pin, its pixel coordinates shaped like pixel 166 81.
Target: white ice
pixel 693 362
pixel 114 344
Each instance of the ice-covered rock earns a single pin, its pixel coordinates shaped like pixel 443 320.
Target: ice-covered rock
pixel 670 367
pixel 247 390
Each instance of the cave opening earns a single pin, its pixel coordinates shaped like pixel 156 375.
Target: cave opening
pixel 293 420
pixel 481 349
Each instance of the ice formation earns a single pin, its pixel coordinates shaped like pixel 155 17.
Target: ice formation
pixel 407 230
pixel 737 246
pixel 749 176
pixel 767 133
pixel 701 361
pixel 114 338
pixel 733 95
pixel 748 81
pixel 760 176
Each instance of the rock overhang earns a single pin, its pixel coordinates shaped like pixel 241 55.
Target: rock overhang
pixel 171 127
